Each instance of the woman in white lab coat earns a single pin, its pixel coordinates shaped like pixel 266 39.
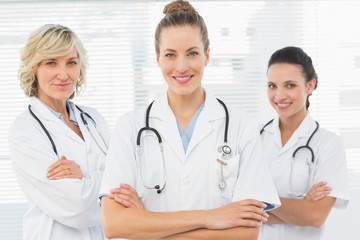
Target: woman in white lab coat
pixel 58 161
pixel 308 186
pixel 194 189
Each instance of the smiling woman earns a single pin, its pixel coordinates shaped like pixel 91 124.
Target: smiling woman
pixel 123 73
pixel 57 78
pixel 66 161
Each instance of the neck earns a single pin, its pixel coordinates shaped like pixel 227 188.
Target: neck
pixel 56 105
pixel 184 107
pixel 289 125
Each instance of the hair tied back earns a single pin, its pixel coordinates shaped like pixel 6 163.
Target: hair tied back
pixel 179 5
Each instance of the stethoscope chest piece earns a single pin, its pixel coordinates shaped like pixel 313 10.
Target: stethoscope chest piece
pixel 222 184
pixel 224 154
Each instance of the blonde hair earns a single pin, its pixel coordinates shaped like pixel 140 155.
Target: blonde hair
pixel 181 13
pixel 47 42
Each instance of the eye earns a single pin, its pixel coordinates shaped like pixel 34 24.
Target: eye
pixel 290 85
pixel 50 62
pixel 170 55
pixel 193 54
pixel 271 86
pixel 73 62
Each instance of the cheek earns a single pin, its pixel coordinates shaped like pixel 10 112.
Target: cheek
pixel 270 94
pixel 76 73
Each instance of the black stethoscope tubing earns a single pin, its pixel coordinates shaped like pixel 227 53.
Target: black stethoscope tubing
pixel 301 147
pixel 306 146
pixel 82 113
pixel 225 148
pixel 45 130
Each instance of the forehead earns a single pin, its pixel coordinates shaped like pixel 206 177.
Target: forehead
pixel 179 37
pixel 285 71
pixel 69 54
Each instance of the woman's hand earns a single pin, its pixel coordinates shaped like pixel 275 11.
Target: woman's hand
pixel 64 168
pixel 318 191
pixel 127 196
pixel 274 219
pixel 245 213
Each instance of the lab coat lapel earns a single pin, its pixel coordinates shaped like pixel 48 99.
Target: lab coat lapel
pixel 212 111
pixel 273 129
pixel 303 131
pixel 167 125
pixel 50 121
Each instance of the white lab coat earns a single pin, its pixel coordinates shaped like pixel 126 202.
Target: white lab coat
pixel 330 166
pixel 58 209
pixel 192 177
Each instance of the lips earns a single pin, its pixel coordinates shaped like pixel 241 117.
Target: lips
pixel 183 79
pixel 283 105
pixel 62 85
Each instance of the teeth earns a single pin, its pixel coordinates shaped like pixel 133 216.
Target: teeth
pixel 181 78
pixel 283 104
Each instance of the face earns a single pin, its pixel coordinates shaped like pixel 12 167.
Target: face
pixel 57 78
pixel 288 90
pixel 182 59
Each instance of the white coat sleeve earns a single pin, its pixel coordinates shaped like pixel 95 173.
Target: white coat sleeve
pixel 72 202
pixel 254 179
pixel 121 157
pixel 331 168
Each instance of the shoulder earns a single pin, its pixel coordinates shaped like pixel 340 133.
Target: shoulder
pixel 329 138
pixel 132 119
pixel 24 128
pixel 22 122
pixel 242 116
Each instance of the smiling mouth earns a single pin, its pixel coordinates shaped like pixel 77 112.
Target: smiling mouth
pixel 183 79
pixel 283 105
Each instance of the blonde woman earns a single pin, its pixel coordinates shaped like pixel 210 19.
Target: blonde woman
pixel 58 148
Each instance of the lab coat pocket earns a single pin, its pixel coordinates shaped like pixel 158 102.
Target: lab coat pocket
pixel 225 176
pixel 299 178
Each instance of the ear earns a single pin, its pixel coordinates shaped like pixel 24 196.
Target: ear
pixel 207 56
pixel 310 86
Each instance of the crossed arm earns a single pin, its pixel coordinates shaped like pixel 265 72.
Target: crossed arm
pixel 129 219
pixel 310 211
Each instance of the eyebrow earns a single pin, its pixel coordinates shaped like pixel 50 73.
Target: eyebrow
pixel 188 50
pixel 53 59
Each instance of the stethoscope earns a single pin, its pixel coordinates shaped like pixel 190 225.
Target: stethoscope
pixel 311 164
pixel 82 115
pixel 224 151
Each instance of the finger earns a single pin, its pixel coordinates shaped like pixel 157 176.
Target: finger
pixel 249 223
pixel 252 212
pixel 63 173
pixel 60 170
pixel 318 195
pixel 317 185
pixel 57 163
pixel 115 190
pixel 123 202
pixel 252 202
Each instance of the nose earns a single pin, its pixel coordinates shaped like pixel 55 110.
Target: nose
pixel 182 65
pixel 62 73
pixel 280 94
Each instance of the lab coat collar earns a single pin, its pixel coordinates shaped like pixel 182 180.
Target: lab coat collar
pixel 305 129
pixel 168 128
pixel 212 111
pixel 45 115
